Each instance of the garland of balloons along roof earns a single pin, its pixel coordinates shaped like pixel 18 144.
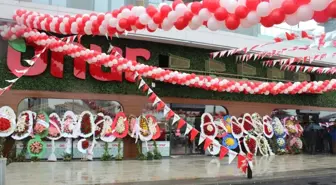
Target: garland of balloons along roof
pixel 214 14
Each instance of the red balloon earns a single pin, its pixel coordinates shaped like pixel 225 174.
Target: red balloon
pixel 332 9
pixel 289 6
pixel 181 23
pixel 266 21
pixel 100 18
pixel 196 7
pixel 241 12
pixel 157 18
pixel 252 4
pixel 164 11
pixel 151 10
pixel 211 5
pixel 132 20
pixel 321 16
pixel 115 13
pixel 221 14
pixel 188 16
pixel 232 22
pixel 149 30
pixel 139 25
pixel 302 2
pixel 277 16
pixel 175 3
pixel 123 23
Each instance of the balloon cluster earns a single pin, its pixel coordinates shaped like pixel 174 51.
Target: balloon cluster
pixel 214 14
pixel 174 77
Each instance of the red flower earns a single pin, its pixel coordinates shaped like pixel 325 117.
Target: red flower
pixel 251 144
pixel 85 144
pixel 99 127
pixel 236 129
pixel 4 124
pixel 86 124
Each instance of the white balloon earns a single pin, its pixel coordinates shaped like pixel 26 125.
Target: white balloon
pixel 245 23
pixel 167 25
pixel 172 16
pixel 263 9
pixel 231 6
pixel 253 18
pixel 213 24
pixel 223 3
pixel 196 20
pixel 180 9
pixel 152 25
pixel 305 12
pixel 113 22
pixel 161 5
pixel 194 26
pixel 275 3
pixel 140 10
pixel 125 13
pixel 204 14
pixel 143 19
pixel 242 2
pixel 319 5
pixel 292 19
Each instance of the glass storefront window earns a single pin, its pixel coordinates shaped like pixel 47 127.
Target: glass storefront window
pixel 60 106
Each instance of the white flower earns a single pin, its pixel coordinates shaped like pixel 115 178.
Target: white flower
pixel 20 126
pixel 120 127
pixel 151 125
pixel 281 142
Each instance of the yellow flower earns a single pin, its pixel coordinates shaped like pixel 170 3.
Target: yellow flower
pixel 228 128
pixel 229 141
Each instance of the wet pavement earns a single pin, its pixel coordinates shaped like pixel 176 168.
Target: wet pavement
pixel 183 170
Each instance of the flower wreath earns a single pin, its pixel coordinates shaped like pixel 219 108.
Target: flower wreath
pixel 36 147
pixel 24 125
pixel 227 123
pixel 41 125
pixel 247 123
pixel 230 142
pixel 267 127
pixel 263 145
pixel 250 144
pixel 221 130
pixel 99 124
pixel 237 130
pixel 120 125
pixel 87 126
pixel 69 125
pixel 153 126
pixel 289 124
pixel 7 121
pixel 55 127
pixel 278 128
pixel 107 132
pixel 83 146
pixel 257 123
pixel 145 133
pixel 208 127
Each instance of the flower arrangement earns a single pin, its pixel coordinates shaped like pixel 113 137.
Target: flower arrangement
pixel 120 125
pixel 83 146
pixel 281 143
pixel 208 126
pixel 227 123
pixel 24 125
pixel 145 133
pixel 267 127
pixel 237 131
pixel 247 123
pixel 99 122
pixel 278 128
pixel 86 124
pixel 55 127
pixel 219 122
pixel 153 127
pixel 250 143
pixel 230 142
pixel 7 121
pixel 36 147
pixel 69 123
pixel 107 132
pixel 41 125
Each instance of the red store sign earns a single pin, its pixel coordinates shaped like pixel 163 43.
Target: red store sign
pixel 57 64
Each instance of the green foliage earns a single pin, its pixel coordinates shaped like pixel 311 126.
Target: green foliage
pixel 140 156
pixel 35 159
pixel 198 56
pixel 106 156
pixel 119 156
pixel 18 44
pixel 67 157
pixel 150 156
pixel 156 152
pixel 21 157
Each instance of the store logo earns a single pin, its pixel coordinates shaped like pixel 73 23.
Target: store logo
pixel 80 66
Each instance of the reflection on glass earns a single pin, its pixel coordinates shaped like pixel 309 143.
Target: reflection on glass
pixel 41 1
pixel 60 106
pixel 116 4
pixel 62 3
pixel 101 5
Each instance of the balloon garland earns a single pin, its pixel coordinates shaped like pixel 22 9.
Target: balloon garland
pixel 214 14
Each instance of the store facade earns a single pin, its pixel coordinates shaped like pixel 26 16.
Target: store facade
pixel 57 84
